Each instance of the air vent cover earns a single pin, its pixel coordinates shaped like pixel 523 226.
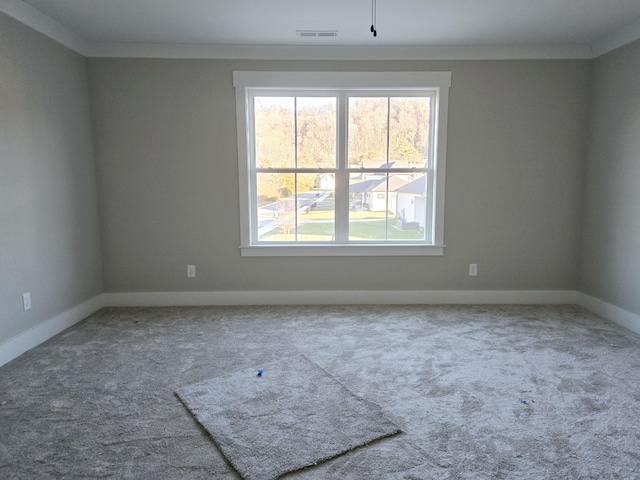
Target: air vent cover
pixel 317 33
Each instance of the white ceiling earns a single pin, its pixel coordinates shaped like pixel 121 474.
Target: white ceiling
pixel 417 23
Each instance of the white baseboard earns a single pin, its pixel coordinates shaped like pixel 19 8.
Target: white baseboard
pixel 339 297
pixel 617 315
pixel 16 346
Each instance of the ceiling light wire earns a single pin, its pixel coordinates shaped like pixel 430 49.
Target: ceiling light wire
pixel 374 17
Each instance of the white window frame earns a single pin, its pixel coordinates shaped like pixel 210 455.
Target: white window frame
pixel 247 83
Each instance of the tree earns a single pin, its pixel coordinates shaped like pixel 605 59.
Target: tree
pixel 287 215
pixel 402 149
pixel 303 134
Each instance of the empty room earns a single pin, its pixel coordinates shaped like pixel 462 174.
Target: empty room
pixel 320 240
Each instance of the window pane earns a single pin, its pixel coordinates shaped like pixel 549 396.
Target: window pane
pixel 316 217
pixel 296 207
pixel 410 207
pixel 275 132
pixel 316 122
pixel 387 206
pixel 408 132
pixel 276 207
pixel 368 132
pixel 367 206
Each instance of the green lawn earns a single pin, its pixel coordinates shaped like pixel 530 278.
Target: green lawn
pixel 376 231
pixel 370 230
pixel 329 214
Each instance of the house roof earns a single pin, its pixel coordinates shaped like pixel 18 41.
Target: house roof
pixel 377 185
pixel 366 186
pixel 380 163
pixel 418 186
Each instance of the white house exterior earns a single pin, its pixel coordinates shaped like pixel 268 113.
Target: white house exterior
pixel 411 203
pixel 375 194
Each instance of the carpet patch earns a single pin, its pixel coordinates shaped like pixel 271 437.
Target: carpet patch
pixel 292 416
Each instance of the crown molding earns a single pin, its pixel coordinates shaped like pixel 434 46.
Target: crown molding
pixel 621 37
pixel 40 22
pixel 296 52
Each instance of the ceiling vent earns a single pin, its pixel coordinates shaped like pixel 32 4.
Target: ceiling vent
pixel 317 33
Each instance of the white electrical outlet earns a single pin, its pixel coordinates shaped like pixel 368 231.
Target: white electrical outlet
pixel 473 269
pixel 191 271
pixel 26 301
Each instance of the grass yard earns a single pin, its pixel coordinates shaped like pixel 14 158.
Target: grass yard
pixel 375 230
pixel 329 214
pixel 369 229
pixel 317 225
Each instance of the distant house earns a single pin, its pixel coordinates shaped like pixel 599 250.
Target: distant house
pixel 374 194
pixel 326 181
pixel 411 202
pixel 380 164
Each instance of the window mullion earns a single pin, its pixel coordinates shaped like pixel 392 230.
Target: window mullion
pixel 388 195
pixel 252 169
pixel 295 175
pixel 342 175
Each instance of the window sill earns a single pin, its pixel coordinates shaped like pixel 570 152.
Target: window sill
pixel 342 250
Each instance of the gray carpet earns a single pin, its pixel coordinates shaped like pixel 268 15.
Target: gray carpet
pixel 98 400
pixel 290 416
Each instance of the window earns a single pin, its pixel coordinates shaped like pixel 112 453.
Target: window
pixel 342 163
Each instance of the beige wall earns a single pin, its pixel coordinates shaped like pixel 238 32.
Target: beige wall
pixel 49 243
pixel 537 195
pixel 166 155
pixel 610 262
pixel 542 180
